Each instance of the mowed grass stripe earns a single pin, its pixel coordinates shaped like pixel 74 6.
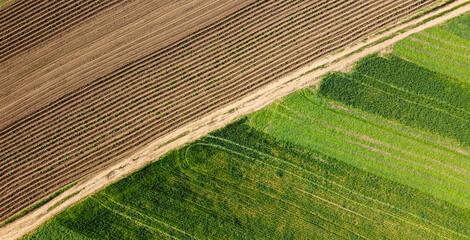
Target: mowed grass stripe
pixel 444 55
pixel 447 44
pixel 330 139
pixel 355 90
pixel 395 156
pixel 435 53
pixel 401 137
pixel 427 58
pixel 395 153
pixel 444 36
pixel 343 192
pixel 364 156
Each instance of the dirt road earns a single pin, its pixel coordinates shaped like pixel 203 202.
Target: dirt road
pixel 215 120
pixel 158 89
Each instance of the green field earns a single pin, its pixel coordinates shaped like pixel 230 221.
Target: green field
pixel 426 162
pixel 444 49
pixel 404 92
pixel 382 152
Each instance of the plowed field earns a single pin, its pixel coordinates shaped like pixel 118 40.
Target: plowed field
pixel 29 23
pixel 166 87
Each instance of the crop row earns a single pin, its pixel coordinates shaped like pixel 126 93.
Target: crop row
pixel 98 129
pixel 140 74
pixel 27 24
pixel 405 92
pixel 238 172
pixel 172 86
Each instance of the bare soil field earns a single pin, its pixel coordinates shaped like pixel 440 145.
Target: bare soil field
pixel 123 91
pixel 102 43
pixel 28 23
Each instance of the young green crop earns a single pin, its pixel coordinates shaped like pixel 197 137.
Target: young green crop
pixel 383 147
pixel 444 49
pixel 402 91
pixel 242 183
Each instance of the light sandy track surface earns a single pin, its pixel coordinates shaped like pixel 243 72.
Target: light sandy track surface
pixel 162 87
pixel 215 120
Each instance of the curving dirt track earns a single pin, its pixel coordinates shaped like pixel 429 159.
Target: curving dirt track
pixel 143 90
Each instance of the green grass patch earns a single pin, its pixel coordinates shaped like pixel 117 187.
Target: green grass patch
pixel 405 92
pixel 415 158
pixel 459 26
pixel 241 183
pixel 380 153
pixel 444 48
pixel 53 230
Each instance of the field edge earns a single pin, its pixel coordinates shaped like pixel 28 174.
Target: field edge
pixel 218 119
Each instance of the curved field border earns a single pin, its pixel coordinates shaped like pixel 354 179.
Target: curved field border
pixel 175 85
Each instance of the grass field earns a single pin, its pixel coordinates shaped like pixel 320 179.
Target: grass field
pixel 242 182
pixel 3 3
pixel 426 162
pixel 444 49
pixel 405 92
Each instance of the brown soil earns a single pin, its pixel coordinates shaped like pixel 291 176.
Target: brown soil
pixel 125 78
pixel 216 119
pixel 29 23
pixel 78 56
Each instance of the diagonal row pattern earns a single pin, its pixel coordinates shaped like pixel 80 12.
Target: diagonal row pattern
pixel 152 96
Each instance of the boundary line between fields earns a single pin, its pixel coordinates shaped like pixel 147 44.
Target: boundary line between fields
pixel 304 77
